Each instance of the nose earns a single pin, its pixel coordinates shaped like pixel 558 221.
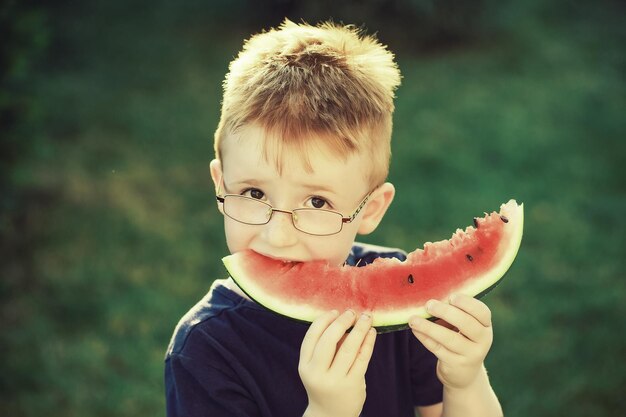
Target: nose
pixel 279 231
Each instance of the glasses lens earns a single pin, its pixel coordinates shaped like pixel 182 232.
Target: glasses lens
pixel 246 210
pixel 317 222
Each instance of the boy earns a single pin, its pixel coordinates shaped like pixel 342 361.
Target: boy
pixel 306 124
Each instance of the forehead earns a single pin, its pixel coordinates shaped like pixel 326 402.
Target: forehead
pixel 252 150
pixel 285 150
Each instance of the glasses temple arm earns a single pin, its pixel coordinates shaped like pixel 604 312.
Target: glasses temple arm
pixel 357 211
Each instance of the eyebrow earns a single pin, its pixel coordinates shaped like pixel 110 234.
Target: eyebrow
pixel 259 183
pixel 317 187
pixel 235 184
pixel 250 181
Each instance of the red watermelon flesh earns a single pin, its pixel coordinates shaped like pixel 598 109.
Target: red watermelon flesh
pixel 471 262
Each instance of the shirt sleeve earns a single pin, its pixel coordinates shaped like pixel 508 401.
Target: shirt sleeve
pixel 195 389
pixel 427 389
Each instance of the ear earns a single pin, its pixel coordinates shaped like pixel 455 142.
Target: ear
pixel 376 207
pixel 216 174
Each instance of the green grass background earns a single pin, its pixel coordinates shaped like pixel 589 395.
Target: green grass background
pixel 109 230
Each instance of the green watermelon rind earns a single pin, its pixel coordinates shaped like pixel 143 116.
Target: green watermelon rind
pixel 399 320
pixel 480 286
pixel 380 329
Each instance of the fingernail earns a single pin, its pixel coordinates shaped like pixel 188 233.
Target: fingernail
pixel 430 306
pixel 452 299
pixel 334 312
pixel 351 313
pixel 365 316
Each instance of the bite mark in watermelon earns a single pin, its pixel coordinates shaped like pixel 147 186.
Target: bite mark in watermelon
pixel 471 262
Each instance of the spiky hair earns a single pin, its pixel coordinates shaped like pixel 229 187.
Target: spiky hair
pixel 330 81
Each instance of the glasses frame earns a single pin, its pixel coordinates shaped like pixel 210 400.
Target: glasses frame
pixel 293 213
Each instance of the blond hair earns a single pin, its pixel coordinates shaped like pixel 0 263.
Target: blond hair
pixel 329 82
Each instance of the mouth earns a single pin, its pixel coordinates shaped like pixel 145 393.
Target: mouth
pixel 283 260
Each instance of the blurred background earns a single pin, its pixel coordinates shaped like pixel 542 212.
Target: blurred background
pixel 109 231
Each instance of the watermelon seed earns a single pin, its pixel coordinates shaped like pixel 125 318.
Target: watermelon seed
pixel 476 222
pixel 504 219
pixel 411 280
pixel 469 257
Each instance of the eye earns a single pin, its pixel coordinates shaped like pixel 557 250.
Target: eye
pixel 254 193
pixel 319 203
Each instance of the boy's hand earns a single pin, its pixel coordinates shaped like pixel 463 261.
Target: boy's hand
pixel 333 364
pixel 461 353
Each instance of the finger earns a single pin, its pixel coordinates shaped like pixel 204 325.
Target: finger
pixel 326 346
pixel 472 306
pixel 349 349
pixel 437 349
pixel 468 325
pixel 314 333
pixel 451 340
pixel 365 354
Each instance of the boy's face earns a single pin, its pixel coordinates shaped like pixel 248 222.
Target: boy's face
pixel 333 184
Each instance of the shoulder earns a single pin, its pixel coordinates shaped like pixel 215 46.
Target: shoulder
pixel 363 254
pixel 210 308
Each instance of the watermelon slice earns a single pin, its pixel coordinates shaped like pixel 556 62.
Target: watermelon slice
pixel 471 262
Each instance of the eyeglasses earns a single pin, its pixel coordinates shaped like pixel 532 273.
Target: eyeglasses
pixel 318 222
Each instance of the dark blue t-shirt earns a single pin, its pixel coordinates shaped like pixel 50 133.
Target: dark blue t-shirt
pixel 230 357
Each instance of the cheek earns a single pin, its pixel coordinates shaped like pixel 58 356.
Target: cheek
pixel 335 249
pixel 345 240
pixel 238 236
